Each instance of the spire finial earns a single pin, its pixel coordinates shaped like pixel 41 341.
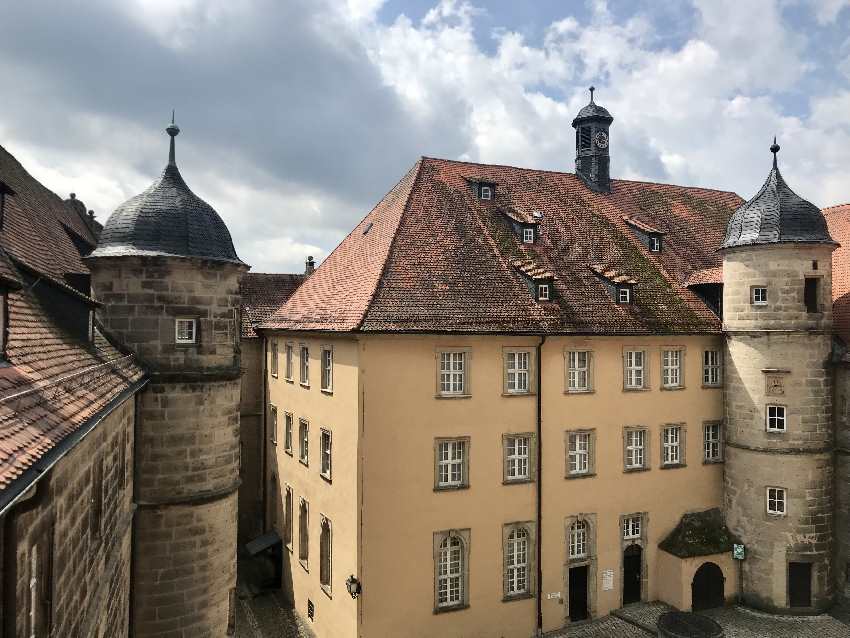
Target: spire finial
pixel 172 130
pixel 592 89
pixel 774 148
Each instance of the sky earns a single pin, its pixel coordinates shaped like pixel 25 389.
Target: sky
pixel 298 115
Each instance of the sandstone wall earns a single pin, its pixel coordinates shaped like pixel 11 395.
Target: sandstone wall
pixel 842 482
pixel 251 440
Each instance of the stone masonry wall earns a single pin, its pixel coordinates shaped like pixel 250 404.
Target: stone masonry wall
pixel 84 565
pixel 251 440
pixel 842 481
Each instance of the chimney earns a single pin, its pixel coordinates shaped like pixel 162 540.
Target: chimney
pixel 310 266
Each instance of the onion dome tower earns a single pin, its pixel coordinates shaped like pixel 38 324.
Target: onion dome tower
pixel 592 159
pixel 777 314
pixel 168 277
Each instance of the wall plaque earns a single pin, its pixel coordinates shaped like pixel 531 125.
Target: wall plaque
pixel 608 580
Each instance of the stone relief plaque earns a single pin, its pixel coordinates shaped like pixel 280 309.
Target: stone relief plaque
pixel 775 385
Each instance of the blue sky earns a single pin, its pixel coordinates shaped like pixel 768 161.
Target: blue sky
pixel 297 116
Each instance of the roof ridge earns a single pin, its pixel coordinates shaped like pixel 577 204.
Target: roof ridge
pixel 836 207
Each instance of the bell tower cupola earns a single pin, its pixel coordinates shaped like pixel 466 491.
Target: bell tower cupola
pixel 592 144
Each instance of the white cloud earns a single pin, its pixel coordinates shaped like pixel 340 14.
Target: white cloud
pixel 827 11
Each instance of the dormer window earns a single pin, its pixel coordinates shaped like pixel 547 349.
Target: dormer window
pixel 485 192
pixel 624 295
pixel 543 292
pixel 654 244
pixel 527 235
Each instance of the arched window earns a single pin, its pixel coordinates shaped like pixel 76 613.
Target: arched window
pixel 450 572
pixel 325 554
pixel 516 559
pixel 578 540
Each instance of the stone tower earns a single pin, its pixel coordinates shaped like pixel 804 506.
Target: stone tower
pixel 168 276
pixel 777 301
pixel 592 161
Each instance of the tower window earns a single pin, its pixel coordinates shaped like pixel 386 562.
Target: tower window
pixel 776 418
pixel 184 331
pixel 528 235
pixel 776 501
pixel 759 296
pixel 543 292
pixel 584 138
pixel 810 294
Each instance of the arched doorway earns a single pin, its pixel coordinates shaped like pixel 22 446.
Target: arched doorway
pixel 707 587
pixel 632 573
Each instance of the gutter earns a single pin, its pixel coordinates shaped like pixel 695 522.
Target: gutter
pixel 539 485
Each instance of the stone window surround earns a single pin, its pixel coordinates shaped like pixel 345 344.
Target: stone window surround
pixel 753 301
pixel 590 559
pixel 325 475
pixel 532 371
pixel 768 429
pixel 304 533
pixel 647 465
pixel 719 383
pixel 465 537
pixel 329 389
pixel 682 446
pixel 532 458
pixel 681 384
pixel 644 387
pixel 465 481
pixel 590 370
pixel 273 420
pixel 288 422
pixel 643 543
pixel 720 457
pixel 591 453
pixel 326 587
pixel 467 364
pixel 530 528
pixel 195 340
pixel 304 442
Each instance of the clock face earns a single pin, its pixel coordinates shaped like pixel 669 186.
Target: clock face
pixel 602 139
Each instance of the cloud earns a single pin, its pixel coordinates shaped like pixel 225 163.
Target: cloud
pixel 827 11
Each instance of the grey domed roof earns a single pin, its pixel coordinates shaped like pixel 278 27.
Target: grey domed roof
pixel 167 219
pixel 593 111
pixel 776 215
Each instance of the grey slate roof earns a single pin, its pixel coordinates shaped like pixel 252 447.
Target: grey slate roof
pixel 167 219
pixel 776 215
pixel 595 111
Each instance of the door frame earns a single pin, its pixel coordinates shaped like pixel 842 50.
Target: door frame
pixel 811 565
pixel 590 561
pixel 642 542
pixel 706 563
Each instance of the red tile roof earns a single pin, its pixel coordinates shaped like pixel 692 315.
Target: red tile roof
pixel 431 257
pixel 262 294
pixel 838 221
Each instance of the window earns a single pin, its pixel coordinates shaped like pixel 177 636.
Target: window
pixel 96 511
pixel 305 365
pixel 712 442
pixel 517 457
pixel 711 367
pixel 451 567
pixel 325 555
pixel 287 432
pixel 486 192
pixel 673 445
pixel 578 371
pixel 516 563
pixel 584 137
pixel 327 368
pixel 34 599
pixel 671 369
pixel 810 294
pixel 776 498
pixel 578 540
pixel 759 296
pixel 775 418
pixel 635 449
pixel 528 235
pixel 303 531
pixel 184 331
pixel 631 527
pixel 452 373
pixel 287 521
pixel 654 243
pixel 624 295
pixel 579 456
pixel 274 358
pixel 452 463
pixel 543 292
pixel 303 441
pixel 325 453
pixel 634 369
pixel 517 369
pixel 288 362
pixel 273 424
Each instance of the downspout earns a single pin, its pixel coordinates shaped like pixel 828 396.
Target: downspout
pixel 539 484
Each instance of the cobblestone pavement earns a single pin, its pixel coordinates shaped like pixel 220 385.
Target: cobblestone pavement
pixel 267 616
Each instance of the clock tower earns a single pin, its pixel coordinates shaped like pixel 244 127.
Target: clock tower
pixel 592 160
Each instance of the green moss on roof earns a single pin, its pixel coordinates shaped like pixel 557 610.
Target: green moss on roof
pixel 699 534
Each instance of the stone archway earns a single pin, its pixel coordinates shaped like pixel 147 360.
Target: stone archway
pixel 707 588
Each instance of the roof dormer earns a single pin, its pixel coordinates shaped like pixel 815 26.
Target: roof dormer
pixel 526 226
pixel 482 189
pixel 620 286
pixel 649 235
pixel 541 280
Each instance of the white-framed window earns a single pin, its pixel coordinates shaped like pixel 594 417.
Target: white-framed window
pixel 185 330
pixel 712 442
pixel 325 453
pixel 327 368
pixel 273 423
pixel 635 449
pixel 451 570
pixel 759 296
pixel 486 192
pixel 517 371
pixel 578 371
pixel 578 540
pixel 288 361
pixel 671 439
pixel 776 501
pixel 305 365
pixel 579 452
pixel 453 373
pixel 671 368
pixel 543 292
pixel 631 527
pixel 516 562
pixel 654 244
pixel 303 531
pixel 325 560
pixel 517 457
pixel 303 441
pixel 711 367
pixel 624 295
pixel 528 235
pixel 775 418
pixel 287 517
pixel 451 463
pixel 287 432
pixel 274 358
pixel 635 365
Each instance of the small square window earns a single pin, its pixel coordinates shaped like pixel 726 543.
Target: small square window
pixel 624 295
pixel 543 292
pixel 185 331
pixel 654 244
pixel 759 296
pixel 486 192
pixel 528 235
pixel 631 527
pixel 775 418
pixel 776 499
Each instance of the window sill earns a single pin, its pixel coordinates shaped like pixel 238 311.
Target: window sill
pixel 772 516
pixel 672 388
pixel 712 461
pixel 588 391
pixel 518 394
pixel 289 547
pixel 452 396
pixel 636 389
pixel 522 481
pixel 289 379
pixel 581 475
pixel 274 376
pixel 327 590
pixel 303 564
pixel 712 386
pixel 630 470
pixel 776 433
pixel 328 392
pixel 450 488
pixel 325 477
pixel 512 597
pixel 306 386
pixel 289 452
pixel 447 608
pixel 304 463
pixel 673 466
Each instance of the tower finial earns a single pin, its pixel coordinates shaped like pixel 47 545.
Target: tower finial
pixel 172 130
pixel 592 89
pixel 774 148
